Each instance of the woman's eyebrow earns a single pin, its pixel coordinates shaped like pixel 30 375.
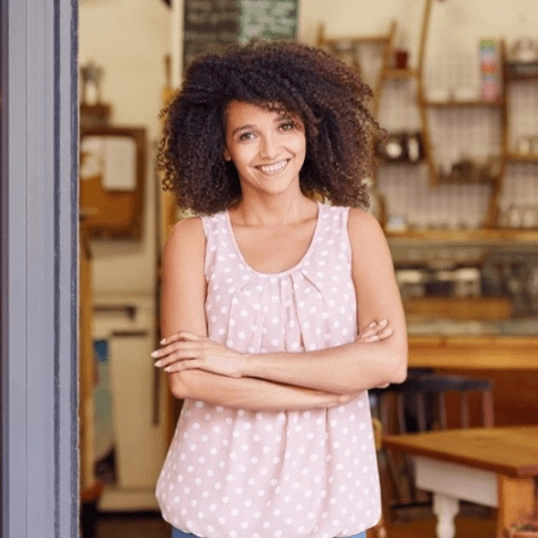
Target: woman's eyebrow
pixel 241 127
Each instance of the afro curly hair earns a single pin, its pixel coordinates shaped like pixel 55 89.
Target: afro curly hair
pixel 328 96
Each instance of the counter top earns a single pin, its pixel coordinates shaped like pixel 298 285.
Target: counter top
pixel 448 327
pixel 497 352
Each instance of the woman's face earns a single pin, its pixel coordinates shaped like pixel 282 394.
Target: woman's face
pixel 267 148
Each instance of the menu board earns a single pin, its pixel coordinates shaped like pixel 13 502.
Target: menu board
pixel 268 19
pixel 209 26
pixel 213 25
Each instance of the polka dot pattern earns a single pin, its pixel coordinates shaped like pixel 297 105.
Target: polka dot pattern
pixel 240 473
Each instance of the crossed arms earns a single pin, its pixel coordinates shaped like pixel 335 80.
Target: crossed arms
pixel 199 368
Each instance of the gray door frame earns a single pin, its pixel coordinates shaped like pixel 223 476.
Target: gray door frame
pixel 39 267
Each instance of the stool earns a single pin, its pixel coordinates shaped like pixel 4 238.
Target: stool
pixel 419 404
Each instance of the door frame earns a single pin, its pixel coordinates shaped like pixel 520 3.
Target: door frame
pixel 39 268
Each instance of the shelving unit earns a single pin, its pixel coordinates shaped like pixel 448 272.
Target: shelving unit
pixel 387 71
pixel 522 157
pixel 495 119
pixel 491 235
pixel 462 104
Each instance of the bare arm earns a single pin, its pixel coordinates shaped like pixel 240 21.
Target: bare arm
pixel 182 308
pixel 341 370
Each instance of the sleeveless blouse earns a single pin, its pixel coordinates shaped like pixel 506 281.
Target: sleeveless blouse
pixel 237 473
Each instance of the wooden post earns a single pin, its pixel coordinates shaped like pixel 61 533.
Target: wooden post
pixel 516 501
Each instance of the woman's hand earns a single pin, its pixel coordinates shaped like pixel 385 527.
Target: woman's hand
pixel 375 331
pixel 186 351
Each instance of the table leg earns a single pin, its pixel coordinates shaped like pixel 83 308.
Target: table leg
pixel 516 501
pixel 445 508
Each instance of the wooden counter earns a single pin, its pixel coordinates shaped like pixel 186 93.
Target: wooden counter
pixel 474 352
pixel 510 362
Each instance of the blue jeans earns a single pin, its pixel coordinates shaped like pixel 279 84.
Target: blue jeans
pixel 180 534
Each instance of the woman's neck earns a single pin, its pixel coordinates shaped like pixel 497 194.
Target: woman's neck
pixel 271 211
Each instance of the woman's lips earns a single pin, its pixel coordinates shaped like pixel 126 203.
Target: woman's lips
pixel 273 168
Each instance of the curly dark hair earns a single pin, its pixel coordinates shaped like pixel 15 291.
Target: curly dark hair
pixel 328 96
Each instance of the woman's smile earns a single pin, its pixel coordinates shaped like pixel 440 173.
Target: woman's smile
pixel 273 169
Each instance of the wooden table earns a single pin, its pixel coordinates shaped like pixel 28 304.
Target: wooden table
pixel 489 466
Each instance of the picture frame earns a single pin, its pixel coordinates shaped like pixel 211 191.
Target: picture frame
pixel 112 181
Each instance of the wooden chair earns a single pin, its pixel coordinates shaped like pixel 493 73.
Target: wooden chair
pixel 420 404
pixel 379 531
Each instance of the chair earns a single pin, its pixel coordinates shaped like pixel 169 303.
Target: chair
pixel 420 404
pixel 379 531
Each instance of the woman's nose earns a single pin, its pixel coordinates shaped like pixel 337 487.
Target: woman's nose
pixel 269 147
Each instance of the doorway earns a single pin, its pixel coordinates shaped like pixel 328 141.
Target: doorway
pixel 38 269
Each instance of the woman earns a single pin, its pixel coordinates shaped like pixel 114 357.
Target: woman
pixel 274 305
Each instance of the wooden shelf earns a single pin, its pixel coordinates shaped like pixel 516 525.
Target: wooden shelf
pixel 488 235
pixel 382 162
pixel 523 157
pixel 463 104
pixel 400 73
pixel 522 76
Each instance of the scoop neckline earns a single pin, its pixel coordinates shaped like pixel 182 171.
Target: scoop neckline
pixel 285 271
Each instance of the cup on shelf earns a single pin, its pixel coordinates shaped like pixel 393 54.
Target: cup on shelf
pixel 401 57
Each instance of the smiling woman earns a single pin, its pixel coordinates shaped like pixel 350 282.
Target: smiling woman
pixel 329 99
pixel 278 311
pixel 267 147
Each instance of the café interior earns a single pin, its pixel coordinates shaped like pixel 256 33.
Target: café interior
pixel 455 188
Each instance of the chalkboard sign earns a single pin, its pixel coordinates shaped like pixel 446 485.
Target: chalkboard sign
pixel 268 19
pixel 213 25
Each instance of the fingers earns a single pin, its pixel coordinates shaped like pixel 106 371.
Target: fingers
pixel 373 328
pixel 375 331
pixel 181 366
pixel 175 346
pixel 179 338
pixel 181 335
pixel 177 352
pixel 383 335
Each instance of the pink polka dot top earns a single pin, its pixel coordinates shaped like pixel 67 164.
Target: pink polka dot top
pixel 236 473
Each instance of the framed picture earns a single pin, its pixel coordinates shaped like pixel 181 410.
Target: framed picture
pixel 112 177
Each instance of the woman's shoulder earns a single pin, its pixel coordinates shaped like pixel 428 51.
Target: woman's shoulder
pixel 363 226
pixel 187 235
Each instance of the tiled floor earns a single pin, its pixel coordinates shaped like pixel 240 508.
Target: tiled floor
pixel 154 527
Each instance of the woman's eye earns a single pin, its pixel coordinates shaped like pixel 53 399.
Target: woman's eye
pixel 288 126
pixel 246 136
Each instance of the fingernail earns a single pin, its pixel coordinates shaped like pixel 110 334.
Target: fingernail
pixel 158 363
pixel 168 369
pixel 373 338
pixel 155 354
pixel 163 341
pixel 383 322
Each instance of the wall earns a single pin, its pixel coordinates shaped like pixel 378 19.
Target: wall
pixel 455 24
pixel 129 38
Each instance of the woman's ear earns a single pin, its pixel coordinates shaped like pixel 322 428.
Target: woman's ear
pixel 226 155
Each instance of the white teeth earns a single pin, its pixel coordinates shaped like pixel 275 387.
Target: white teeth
pixel 273 167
